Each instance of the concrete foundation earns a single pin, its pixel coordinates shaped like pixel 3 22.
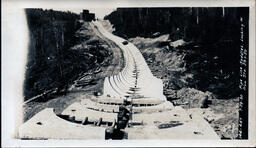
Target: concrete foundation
pixel 153 117
pixel 171 124
pixel 47 125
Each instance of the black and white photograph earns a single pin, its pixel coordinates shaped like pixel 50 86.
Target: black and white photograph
pixel 131 73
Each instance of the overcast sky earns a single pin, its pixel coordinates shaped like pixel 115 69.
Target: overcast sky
pixel 99 12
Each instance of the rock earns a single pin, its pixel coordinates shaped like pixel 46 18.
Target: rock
pixel 177 43
pixel 229 131
pixel 204 102
pixel 157 34
pixel 196 98
pixel 209 119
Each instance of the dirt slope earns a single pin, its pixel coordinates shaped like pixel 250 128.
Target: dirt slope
pixel 111 65
pixel 168 64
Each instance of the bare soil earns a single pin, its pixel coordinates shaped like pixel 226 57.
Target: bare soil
pixel 169 65
pixel 111 66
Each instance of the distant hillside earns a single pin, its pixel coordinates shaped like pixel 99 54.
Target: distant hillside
pixel 53 63
pixel 212 37
pixel 205 25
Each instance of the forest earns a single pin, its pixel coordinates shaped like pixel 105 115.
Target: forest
pixel 49 58
pixel 212 37
pixel 52 63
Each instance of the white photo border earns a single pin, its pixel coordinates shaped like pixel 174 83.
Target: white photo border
pixel 13 63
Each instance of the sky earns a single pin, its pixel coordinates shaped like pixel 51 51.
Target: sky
pixel 99 12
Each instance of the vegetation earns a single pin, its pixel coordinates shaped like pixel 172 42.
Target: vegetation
pixel 53 63
pixel 212 36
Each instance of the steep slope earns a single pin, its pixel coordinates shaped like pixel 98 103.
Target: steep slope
pixel 169 64
pixel 49 57
pixel 212 37
pixel 86 63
